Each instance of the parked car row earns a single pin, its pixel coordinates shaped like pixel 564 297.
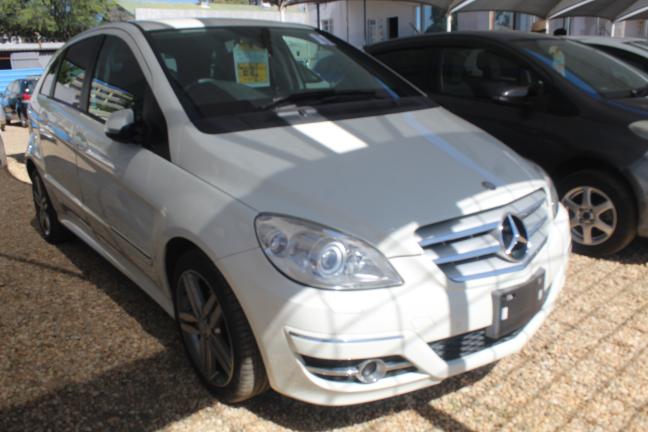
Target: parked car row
pixel 579 113
pixel 314 222
pixel 15 99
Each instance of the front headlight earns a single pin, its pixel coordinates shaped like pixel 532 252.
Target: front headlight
pixel 321 257
pixel 554 199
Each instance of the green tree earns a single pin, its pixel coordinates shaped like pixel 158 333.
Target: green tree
pixel 55 19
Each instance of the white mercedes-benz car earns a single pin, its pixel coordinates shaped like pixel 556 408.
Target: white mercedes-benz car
pixel 313 222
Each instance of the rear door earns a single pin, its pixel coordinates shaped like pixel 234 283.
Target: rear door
pixel 59 111
pixel 116 177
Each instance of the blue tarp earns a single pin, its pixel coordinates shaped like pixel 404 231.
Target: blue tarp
pixel 8 75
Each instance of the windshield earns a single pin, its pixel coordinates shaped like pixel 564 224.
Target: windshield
pixel 229 71
pixel 588 68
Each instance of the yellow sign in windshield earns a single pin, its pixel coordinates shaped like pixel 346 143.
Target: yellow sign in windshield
pixel 251 65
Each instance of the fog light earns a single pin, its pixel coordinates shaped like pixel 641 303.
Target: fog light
pixel 371 371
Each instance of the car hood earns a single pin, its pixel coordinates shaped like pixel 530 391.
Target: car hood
pixel 378 178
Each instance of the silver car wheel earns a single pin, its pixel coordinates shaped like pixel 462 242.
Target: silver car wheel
pixel 204 328
pixel 592 215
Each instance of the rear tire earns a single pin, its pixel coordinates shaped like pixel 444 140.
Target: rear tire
pixel 216 335
pixel 602 212
pixel 50 228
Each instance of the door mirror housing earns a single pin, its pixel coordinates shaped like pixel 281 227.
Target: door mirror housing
pixel 514 95
pixel 122 127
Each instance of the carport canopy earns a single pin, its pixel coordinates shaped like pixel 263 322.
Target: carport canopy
pixel 540 8
pixel 638 10
pixel 608 9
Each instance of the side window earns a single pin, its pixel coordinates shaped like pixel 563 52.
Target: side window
pixel 48 80
pixel 118 82
pixel 480 73
pixel 414 64
pixel 73 69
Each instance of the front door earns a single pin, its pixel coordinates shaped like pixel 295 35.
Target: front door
pixel 471 80
pixel 117 178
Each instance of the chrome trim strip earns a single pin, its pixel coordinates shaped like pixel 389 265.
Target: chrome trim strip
pixel 535 228
pixel 350 372
pixel 130 243
pixel 447 259
pixel 334 340
pixel 502 271
pixel 532 208
pixel 482 229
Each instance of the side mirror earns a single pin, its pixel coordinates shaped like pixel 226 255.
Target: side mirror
pixel 121 126
pixel 516 95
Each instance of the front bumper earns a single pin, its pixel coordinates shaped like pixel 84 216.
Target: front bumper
pixel 292 322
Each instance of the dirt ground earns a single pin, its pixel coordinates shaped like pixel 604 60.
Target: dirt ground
pixel 82 348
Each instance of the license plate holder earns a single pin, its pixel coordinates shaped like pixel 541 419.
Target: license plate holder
pixel 514 307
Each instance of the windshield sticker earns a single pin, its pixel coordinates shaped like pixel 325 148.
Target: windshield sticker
pixel 321 39
pixel 251 65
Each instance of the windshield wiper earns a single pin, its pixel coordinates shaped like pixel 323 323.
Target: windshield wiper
pixel 324 96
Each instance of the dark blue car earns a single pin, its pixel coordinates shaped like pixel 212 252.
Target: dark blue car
pixel 15 99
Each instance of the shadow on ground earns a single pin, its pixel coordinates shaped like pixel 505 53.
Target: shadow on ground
pixel 152 392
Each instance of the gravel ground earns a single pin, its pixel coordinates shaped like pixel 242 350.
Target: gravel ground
pixel 81 348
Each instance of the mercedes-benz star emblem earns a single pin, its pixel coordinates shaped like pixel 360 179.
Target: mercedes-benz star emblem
pixel 513 238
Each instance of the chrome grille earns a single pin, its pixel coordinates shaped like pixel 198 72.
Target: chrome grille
pixel 469 248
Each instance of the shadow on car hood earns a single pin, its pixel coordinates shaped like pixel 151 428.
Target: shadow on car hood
pixel 378 178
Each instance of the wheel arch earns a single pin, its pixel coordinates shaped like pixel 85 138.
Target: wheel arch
pixel 580 164
pixel 173 250
pixel 30 166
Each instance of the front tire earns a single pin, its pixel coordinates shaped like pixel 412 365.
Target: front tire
pixel 602 212
pixel 49 226
pixel 215 332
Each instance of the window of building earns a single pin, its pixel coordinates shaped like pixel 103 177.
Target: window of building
pixel 327 25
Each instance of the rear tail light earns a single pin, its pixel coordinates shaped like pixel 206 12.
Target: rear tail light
pixel 26 97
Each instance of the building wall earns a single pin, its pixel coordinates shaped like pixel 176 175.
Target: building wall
pixel 378 11
pixel 473 21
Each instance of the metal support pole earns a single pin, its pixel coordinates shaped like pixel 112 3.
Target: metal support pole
pixel 449 23
pixel 319 26
pixel 364 12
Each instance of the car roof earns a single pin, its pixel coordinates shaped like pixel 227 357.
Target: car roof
pixel 501 36
pixel 194 23
pixel 607 40
pixel 624 44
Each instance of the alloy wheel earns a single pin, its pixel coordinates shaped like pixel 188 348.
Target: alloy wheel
pixel 204 328
pixel 592 215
